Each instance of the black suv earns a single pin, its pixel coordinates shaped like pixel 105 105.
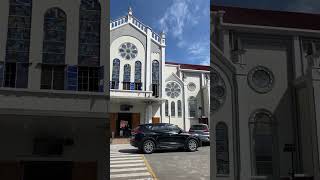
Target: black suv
pixel 149 137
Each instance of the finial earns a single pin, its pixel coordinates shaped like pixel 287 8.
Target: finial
pixel 130 11
pixel 163 35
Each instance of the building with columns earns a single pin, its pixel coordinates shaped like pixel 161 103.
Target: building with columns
pixel 264 94
pixel 145 87
pixel 53 91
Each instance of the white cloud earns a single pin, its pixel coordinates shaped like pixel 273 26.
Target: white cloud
pixel 180 13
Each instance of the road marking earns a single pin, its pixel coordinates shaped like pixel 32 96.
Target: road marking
pixel 127 165
pixel 125 158
pixel 128 169
pixel 150 169
pixel 129 175
pixel 126 161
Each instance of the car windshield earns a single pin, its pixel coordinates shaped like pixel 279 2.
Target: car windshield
pixel 198 127
pixel 159 127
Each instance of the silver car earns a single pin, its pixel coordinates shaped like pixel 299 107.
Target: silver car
pixel 202 131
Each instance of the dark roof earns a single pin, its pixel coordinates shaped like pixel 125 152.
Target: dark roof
pixel 285 19
pixel 191 66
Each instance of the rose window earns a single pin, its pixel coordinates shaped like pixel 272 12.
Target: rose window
pixel 261 79
pixel 217 91
pixel 173 90
pixel 128 51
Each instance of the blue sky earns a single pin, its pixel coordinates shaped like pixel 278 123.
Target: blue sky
pixel 185 22
pixel 308 6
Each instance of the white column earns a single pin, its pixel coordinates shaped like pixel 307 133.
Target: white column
pixel 162 76
pixel 148 60
pixel 148 114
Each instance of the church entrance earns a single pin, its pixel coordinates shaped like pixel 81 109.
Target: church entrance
pixel 122 123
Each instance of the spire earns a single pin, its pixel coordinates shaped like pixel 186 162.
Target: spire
pixel 130 11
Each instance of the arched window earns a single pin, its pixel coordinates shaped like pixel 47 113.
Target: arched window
pixel 89 33
pixel 115 74
pixel 90 75
pixel 137 76
pixel 167 108
pixel 54 47
pixel 173 109
pixel 126 77
pixel 192 106
pixel 262 142
pixel 222 149
pixel 15 68
pixel 155 77
pixel 179 109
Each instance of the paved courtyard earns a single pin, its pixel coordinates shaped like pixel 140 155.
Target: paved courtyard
pixel 164 165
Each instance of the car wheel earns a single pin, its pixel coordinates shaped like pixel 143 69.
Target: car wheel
pixel 148 147
pixel 192 145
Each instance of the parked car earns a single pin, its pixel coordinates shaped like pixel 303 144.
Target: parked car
pixel 202 131
pixel 150 137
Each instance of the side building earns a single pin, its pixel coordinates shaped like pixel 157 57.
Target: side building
pixel 53 95
pixel 268 62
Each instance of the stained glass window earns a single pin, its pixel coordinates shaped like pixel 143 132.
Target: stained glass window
pixel 167 108
pixel 54 43
pixel 155 72
pixel 262 142
pixel 179 109
pixel 137 74
pixel 18 44
pixel 89 33
pixel 128 51
pixel 192 106
pixel 173 89
pixel 173 109
pixel 115 74
pixel 222 149
pixel 126 73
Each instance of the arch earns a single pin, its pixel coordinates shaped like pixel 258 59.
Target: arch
pixel 179 108
pixel 54 41
pixel 89 33
pixel 173 108
pixel 263 142
pixel 192 101
pixel 222 149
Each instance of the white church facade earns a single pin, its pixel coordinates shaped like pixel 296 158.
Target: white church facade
pixel 144 87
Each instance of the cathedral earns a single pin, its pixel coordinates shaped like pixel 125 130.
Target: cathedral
pixel 264 94
pixel 145 87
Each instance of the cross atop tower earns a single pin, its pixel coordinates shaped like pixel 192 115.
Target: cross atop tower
pixel 130 11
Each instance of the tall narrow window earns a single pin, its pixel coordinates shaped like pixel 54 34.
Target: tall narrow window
pixel 53 53
pixel 192 106
pixel 173 109
pixel 222 149
pixel 18 44
pixel 115 74
pixel 167 108
pixel 126 77
pixel 89 33
pixel 155 78
pixel 179 109
pixel 137 76
pixel 262 140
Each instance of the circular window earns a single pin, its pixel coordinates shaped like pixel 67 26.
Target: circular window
pixel 217 90
pixel 192 86
pixel 173 89
pixel 261 79
pixel 128 51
